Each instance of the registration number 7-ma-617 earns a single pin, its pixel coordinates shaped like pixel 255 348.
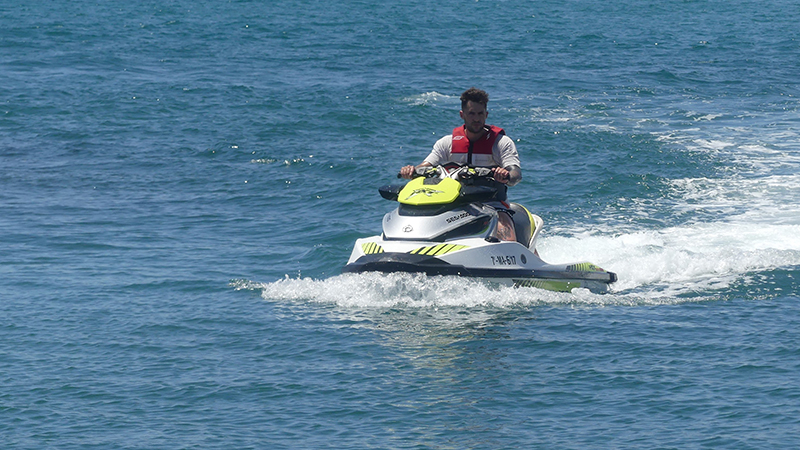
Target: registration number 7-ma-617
pixel 504 260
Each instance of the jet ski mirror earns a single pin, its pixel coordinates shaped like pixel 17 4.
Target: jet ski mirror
pixel 390 192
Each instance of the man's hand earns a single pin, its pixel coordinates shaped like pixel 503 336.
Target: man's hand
pixel 501 175
pixel 509 175
pixel 407 172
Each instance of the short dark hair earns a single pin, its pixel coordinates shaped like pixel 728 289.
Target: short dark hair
pixel 474 95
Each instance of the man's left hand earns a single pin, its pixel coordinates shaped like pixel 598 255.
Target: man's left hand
pixel 500 174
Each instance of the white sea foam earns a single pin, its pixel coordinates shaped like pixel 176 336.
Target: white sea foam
pixel 733 226
pixel 413 291
pixel 677 260
pixel 736 224
pixel 430 98
pixel 375 290
pixel 707 117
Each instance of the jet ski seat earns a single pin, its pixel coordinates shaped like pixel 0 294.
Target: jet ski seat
pixel 524 224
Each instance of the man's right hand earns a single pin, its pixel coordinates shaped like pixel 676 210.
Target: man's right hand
pixel 407 172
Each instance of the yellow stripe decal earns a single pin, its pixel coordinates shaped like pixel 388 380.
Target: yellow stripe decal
pixel 371 248
pixel 445 249
pixel 550 285
pixel 584 267
pixel 435 249
pixel 451 248
pixel 438 250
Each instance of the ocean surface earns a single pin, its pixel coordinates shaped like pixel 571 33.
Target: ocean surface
pixel 181 183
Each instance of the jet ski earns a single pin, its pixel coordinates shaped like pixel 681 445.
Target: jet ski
pixel 454 220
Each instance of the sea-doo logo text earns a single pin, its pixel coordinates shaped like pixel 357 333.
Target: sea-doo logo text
pixel 426 191
pixel 458 217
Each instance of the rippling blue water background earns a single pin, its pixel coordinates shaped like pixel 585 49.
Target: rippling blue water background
pixel 181 183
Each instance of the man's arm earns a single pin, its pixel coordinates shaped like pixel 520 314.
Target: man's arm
pixel 506 151
pixel 510 175
pixel 514 174
pixel 438 154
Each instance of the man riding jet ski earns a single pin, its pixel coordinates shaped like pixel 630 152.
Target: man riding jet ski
pixel 453 218
pixel 475 143
pixel 445 225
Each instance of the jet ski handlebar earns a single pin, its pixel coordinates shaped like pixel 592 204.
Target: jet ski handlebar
pixel 478 183
pixel 477 172
pixel 461 172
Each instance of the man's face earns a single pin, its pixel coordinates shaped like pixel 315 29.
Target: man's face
pixel 474 116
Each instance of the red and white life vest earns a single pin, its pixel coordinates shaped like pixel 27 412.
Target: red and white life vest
pixel 483 146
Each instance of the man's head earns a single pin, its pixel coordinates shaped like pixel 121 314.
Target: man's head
pixel 474 95
pixel 473 109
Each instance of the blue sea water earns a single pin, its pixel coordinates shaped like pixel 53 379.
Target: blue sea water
pixel 181 183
